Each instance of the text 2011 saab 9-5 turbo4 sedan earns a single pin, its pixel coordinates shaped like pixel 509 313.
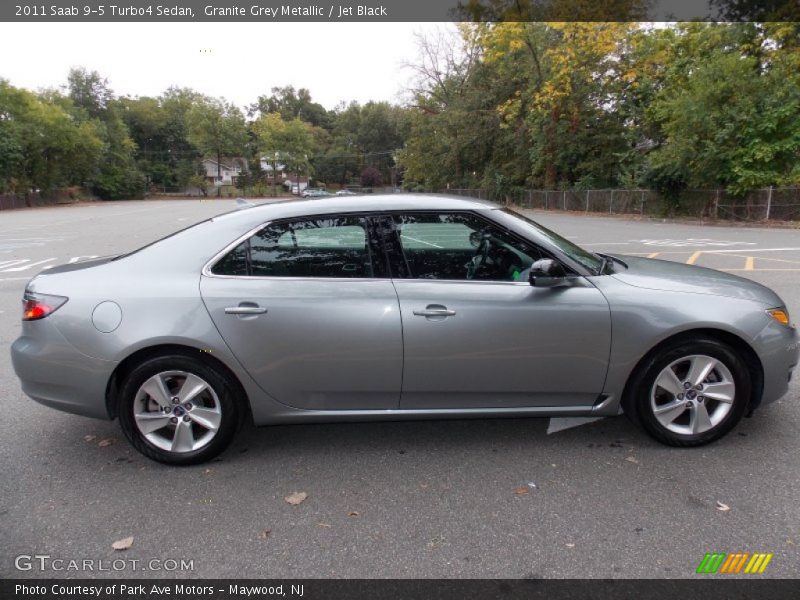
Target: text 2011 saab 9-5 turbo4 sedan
pixel 394 307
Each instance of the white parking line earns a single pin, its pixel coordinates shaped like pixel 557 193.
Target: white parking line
pixel 692 242
pixel 11 263
pixel 606 244
pixel 27 266
pixel 752 250
pixel 408 237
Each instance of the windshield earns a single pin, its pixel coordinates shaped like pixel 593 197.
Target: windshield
pixel 591 261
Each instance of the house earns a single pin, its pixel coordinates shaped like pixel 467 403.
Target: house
pixel 267 164
pixel 291 184
pixel 225 172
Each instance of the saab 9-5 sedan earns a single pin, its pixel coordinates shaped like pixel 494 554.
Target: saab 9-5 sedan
pixel 399 307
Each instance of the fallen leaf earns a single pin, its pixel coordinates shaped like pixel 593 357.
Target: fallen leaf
pixel 521 491
pixel 570 545
pixel 264 534
pixel 323 524
pixel 531 485
pixel 296 498
pixel 106 442
pixel 722 507
pixel 352 513
pixel 89 438
pixel 123 544
pixel 631 459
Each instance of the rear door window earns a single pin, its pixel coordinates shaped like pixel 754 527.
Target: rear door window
pixel 333 247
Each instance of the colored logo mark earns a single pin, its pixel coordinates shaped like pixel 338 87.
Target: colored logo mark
pixel 738 562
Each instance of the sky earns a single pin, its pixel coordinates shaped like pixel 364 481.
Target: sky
pixel 240 61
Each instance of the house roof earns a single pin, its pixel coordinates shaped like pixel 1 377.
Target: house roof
pixel 229 162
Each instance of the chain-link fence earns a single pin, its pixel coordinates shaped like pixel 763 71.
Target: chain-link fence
pixel 776 204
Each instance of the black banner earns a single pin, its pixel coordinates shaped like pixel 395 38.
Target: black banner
pixel 397 10
pixel 733 588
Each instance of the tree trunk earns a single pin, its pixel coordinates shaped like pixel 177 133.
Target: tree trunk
pixel 219 172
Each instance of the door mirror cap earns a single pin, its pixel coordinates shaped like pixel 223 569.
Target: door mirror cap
pixel 547 272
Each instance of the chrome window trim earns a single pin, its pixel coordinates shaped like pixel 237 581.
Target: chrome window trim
pixel 206 271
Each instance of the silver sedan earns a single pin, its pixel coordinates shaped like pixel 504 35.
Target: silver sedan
pixel 405 307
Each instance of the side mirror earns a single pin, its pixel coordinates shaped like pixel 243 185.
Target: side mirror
pixel 547 273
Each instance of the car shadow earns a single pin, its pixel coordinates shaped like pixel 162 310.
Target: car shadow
pixel 424 436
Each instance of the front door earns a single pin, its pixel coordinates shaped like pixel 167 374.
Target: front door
pixel 478 335
pixel 300 306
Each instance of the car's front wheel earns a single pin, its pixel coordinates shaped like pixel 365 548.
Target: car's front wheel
pixel 178 410
pixel 690 393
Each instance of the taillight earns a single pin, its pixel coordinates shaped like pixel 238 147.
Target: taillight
pixel 38 306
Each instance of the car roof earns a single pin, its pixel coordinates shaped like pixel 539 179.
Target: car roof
pixel 294 207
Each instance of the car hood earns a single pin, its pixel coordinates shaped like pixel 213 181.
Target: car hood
pixel 671 276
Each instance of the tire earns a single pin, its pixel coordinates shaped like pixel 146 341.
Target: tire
pixel 719 388
pixel 200 424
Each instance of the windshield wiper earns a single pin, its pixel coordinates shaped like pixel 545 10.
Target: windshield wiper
pixel 607 260
pixel 604 260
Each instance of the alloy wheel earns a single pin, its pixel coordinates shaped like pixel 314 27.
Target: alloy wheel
pixel 177 411
pixel 693 394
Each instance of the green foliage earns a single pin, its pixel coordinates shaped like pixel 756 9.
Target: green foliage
pixel 371 177
pixel 598 104
pixel 216 127
pixel 116 176
pixel 530 102
pixel 291 104
pixel 290 143
pixel 44 146
pixel 200 182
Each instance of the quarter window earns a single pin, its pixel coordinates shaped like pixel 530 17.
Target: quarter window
pixel 330 247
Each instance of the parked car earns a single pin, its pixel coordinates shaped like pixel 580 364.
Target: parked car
pixel 345 192
pixel 410 307
pixel 315 193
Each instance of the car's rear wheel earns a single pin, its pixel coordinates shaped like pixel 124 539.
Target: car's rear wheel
pixel 690 393
pixel 178 410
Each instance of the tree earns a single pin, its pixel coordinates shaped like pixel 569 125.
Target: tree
pixel 89 92
pixel 291 142
pixel 216 128
pixel 44 147
pixel 371 177
pixel 291 104
pixel 447 123
pixel 93 102
pixel 730 109
pixel 158 128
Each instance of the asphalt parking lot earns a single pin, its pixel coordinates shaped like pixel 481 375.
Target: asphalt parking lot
pixel 417 499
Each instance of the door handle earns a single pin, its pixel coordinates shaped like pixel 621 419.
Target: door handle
pixel 435 310
pixel 245 310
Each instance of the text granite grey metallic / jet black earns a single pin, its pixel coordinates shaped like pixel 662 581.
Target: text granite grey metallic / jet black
pixel 393 307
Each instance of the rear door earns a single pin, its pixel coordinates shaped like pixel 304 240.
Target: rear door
pixel 309 310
